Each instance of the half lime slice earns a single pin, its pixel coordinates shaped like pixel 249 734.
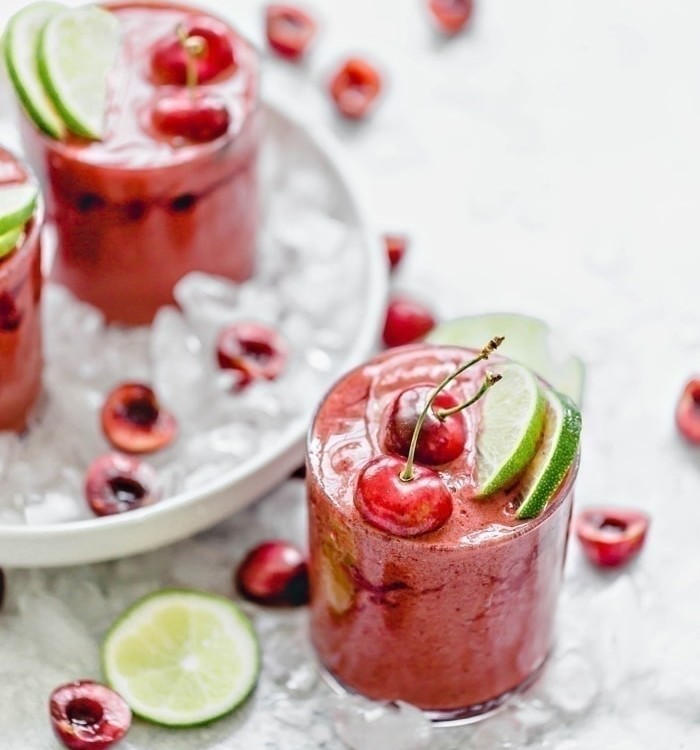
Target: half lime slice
pixel 8 241
pixel 512 419
pixel 181 658
pixel 77 50
pixel 554 457
pixel 17 203
pixel 21 48
pixel 529 341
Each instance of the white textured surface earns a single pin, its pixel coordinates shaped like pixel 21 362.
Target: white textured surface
pixel 549 160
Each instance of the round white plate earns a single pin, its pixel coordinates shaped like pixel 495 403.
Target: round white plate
pixel 185 513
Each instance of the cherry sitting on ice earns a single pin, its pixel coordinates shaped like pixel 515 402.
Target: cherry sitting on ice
pixel 253 350
pixel 274 573
pixel 289 30
pixel 611 537
pixel 118 484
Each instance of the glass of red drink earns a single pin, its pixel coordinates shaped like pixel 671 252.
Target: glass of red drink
pixel 20 313
pixel 453 621
pixel 141 208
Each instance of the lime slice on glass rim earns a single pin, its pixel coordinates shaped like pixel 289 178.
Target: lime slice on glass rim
pixel 529 341
pixel 17 204
pixel 181 658
pixel 512 420
pixel 8 241
pixel 77 50
pixel 21 45
pixel 554 457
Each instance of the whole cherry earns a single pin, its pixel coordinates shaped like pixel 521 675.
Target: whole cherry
pixel 688 412
pixel 440 441
pixel 173 63
pixel 451 15
pixel 355 88
pixel 275 573
pixel 134 421
pixel 196 116
pixel 289 30
pixel 116 484
pixel 396 246
pixel 253 351
pixel 406 321
pixel 87 715
pixel 611 537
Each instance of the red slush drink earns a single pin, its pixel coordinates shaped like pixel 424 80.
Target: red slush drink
pixel 138 210
pixel 453 621
pixel 20 314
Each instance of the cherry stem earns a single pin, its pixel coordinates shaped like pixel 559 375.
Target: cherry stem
pixel 489 380
pixel 407 474
pixel 194 47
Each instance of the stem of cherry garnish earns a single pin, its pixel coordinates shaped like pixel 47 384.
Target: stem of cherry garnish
pixel 489 380
pixel 194 47
pixel 407 474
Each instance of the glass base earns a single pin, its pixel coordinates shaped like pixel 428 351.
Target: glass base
pixel 452 717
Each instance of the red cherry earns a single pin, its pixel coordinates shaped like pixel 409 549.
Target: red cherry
pixel 169 57
pixel 439 441
pixel 87 715
pixel 355 87
pixel 253 350
pixel 289 30
pixel 396 246
pixel 196 116
pixel 406 321
pixel 451 15
pixel 688 412
pixel 134 421
pixel 402 508
pixel 117 484
pixel 10 316
pixel 611 536
pixel 274 573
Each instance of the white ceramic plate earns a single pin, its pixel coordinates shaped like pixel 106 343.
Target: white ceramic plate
pixel 181 515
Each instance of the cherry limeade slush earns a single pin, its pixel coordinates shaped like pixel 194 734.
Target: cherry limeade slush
pixel 452 621
pixel 138 210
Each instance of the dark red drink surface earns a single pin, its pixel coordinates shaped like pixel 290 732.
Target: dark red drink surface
pixel 20 314
pixel 451 621
pixel 136 212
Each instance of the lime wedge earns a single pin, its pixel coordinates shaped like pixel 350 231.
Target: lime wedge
pixel 17 203
pixel 77 50
pixel 8 241
pixel 554 456
pixel 182 658
pixel 512 419
pixel 529 341
pixel 21 45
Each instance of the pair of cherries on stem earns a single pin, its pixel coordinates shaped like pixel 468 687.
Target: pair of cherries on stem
pixel 405 499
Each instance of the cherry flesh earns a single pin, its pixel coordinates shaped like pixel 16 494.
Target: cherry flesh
pixel 135 422
pixel 611 537
pixel 396 246
pixel 10 316
pixel 289 30
pixel 451 15
pixel 406 321
pixel 688 412
pixel 275 573
pixel 440 440
pixel 116 484
pixel 169 61
pixel 355 88
pixel 196 116
pixel 253 351
pixel 87 715
pixel 401 507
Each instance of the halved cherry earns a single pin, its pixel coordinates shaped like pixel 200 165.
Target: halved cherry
pixel 451 15
pixel 611 537
pixel 196 116
pixel 274 573
pixel 253 350
pixel 688 412
pixel 289 30
pixel 10 316
pixel 134 421
pixel 169 60
pixel 87 715
pixel 355 88
pixel 116 484
pixel 396 246
pixel 407 320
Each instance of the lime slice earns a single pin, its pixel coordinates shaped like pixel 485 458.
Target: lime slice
pixel 182 658
pixel 21 44
pixel 17 204
pixel 554 456
pixel 512 419
pixel 8 241
pixel 529 341
pixel 77 50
